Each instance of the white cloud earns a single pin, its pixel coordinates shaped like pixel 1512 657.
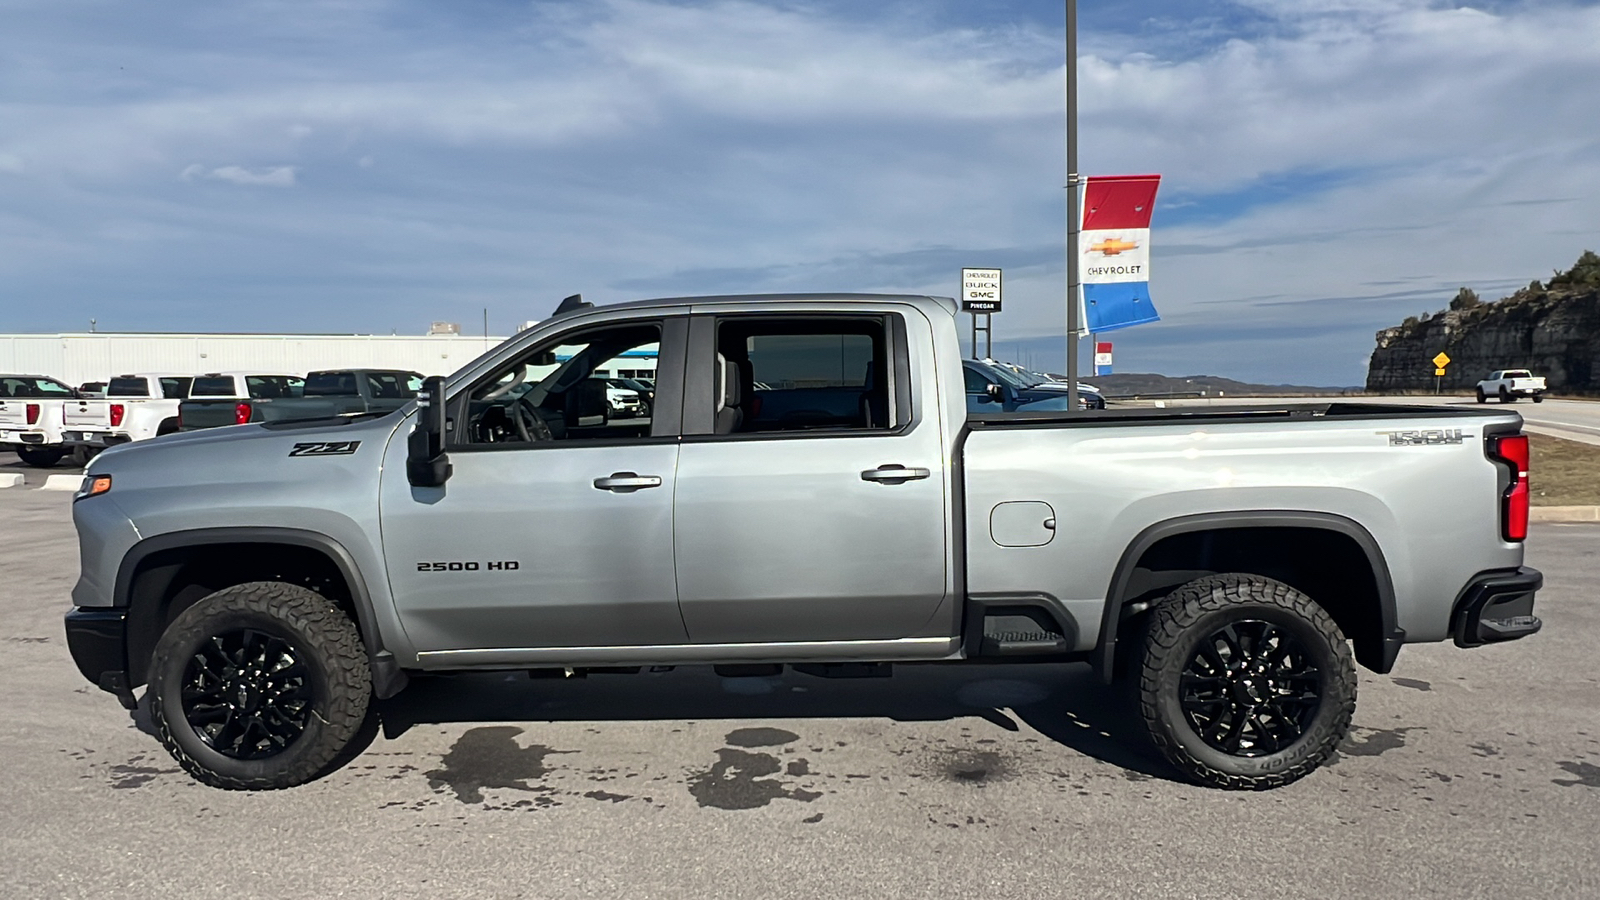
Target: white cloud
pixel 274 176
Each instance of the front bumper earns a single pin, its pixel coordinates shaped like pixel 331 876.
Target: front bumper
pixel 1496 607
pixel 97 637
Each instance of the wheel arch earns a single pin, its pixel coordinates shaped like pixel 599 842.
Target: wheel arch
pixel 1377 638
pixel 155 574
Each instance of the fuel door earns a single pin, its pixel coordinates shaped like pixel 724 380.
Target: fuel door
pixel 1022 523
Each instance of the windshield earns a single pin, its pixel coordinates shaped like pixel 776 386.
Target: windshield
pixel 1011 378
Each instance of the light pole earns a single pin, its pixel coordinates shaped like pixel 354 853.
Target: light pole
pixel 1073 214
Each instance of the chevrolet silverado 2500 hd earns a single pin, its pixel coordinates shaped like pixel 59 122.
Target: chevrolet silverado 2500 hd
pixel 810 490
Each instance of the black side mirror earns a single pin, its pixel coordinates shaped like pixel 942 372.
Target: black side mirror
pixel 996 393
pixel 588 403
pixel 427 465
pixel 543 358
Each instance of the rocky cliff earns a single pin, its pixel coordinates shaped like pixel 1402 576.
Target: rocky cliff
pixel 1551 328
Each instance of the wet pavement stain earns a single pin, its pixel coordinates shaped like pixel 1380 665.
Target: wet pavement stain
pixel 975 767
pixel 760 737
pixel 1413 683
pixel 132 776
pixel 1586 774
pixel 1485 750
pixel 812 820
pixel 603 795
pixel 736 782
pixel 489 758
pixel 798 767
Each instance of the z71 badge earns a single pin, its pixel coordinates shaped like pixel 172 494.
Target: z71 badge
pixel 325 448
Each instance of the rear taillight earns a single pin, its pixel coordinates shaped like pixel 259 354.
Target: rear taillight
pixel 1513 450
pixel 33 413
pixel 241 413
pixel 117 412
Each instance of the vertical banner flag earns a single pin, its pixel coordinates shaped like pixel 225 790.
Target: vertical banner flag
pixel 1114 251
pixel 1102 357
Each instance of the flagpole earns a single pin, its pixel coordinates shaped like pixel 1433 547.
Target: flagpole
pixel 1074 217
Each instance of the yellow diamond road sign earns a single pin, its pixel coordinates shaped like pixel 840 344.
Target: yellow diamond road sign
pixel 1441 361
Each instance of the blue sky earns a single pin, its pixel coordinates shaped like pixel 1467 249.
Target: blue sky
pixel 373 165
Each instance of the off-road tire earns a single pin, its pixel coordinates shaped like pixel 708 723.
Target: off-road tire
pixel 1482 397
pixel 322 640
pixel 1199 610
pixel 1505 396
pixel 1538 398
pixel 40 457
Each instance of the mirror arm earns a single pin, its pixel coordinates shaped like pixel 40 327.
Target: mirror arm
pixel 427 465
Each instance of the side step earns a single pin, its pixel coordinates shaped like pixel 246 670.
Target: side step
pixel 1018 626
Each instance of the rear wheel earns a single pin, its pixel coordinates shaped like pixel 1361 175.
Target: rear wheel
pixel 1538 398
pixel 40 457
pixel 1246 683
pixel 1505 395
pixel 259 686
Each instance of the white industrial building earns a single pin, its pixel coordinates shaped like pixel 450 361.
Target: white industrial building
pixel 97 356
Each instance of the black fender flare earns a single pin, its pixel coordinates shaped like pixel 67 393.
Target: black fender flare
pixel 387 677
pixel 1391 634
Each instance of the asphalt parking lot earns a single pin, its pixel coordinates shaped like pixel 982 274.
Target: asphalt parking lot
pixel 1469 774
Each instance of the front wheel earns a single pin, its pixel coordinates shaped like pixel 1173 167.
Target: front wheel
pixel 1246 683
pixel 40 457
pixel 259 686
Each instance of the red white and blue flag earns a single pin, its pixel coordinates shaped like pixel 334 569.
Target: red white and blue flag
pixel 1114 251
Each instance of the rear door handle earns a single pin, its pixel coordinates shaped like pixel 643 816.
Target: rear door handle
pixel 894 473
pixel 627 482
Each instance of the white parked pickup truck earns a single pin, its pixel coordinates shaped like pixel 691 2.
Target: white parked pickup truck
pixel 1509 384
pixel 136 408
pixel 30 418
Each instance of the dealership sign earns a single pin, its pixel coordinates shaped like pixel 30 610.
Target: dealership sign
pixel 1114 251
pixel 980 290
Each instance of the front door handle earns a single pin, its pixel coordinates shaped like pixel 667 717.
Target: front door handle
pixel 894 473
pixel 627 482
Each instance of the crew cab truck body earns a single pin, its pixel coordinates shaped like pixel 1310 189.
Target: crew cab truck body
pixel 135 408
pixel 30 418
pixel 811 491
pixel 230 398
pixel 1510 384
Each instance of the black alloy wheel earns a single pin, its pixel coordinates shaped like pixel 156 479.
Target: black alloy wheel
pixel 246 694
pixel 259 686
pixel 1250 688
pixel 1245 683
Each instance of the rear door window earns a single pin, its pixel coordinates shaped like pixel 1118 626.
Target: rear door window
pixel 331 384
pixel 128 387
pixel 175 388
pixel 275 387
pixel 390 385
pixel 212 387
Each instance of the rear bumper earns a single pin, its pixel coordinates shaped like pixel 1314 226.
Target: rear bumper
pixel 31 438
pixel 1496 607
pixel 98 641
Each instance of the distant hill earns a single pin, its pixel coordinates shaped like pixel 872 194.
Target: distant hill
pixel 1551 328
pixel 1132 384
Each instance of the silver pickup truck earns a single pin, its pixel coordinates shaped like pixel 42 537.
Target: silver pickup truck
pixel 809 491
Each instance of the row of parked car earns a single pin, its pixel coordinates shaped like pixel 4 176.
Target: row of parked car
pixel 45 420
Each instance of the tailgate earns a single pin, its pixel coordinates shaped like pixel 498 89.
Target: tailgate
pixel 87 414
pixel 208 413
pixel 14 413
